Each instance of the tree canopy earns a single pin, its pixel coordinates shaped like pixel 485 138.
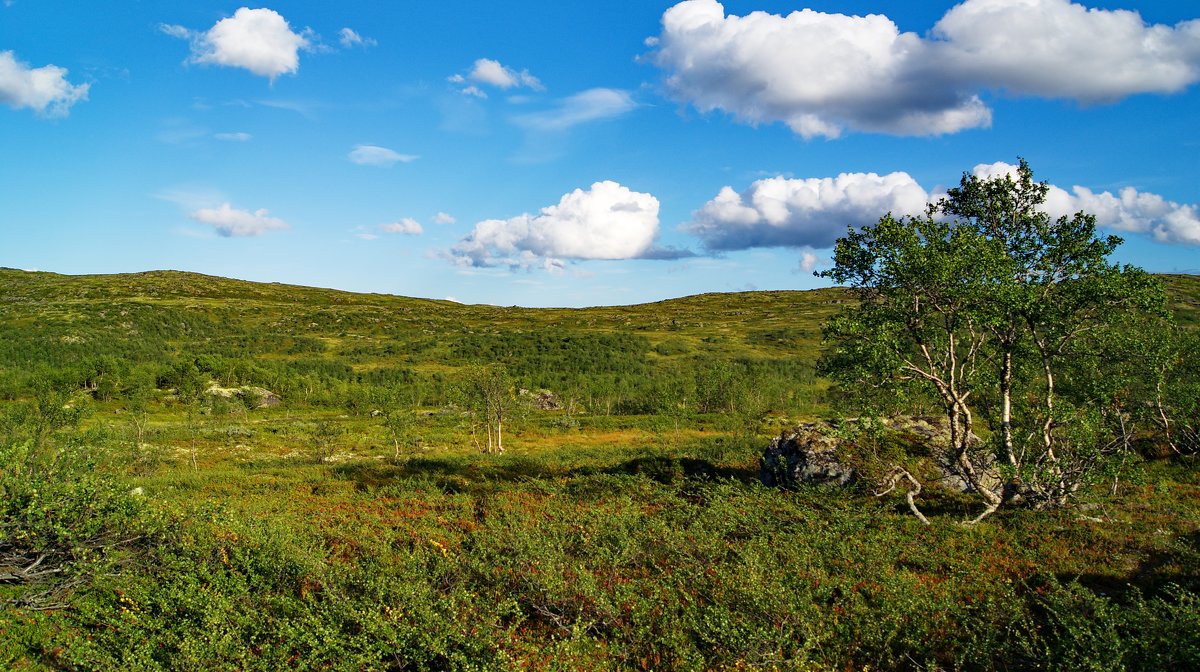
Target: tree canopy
pixel 987 307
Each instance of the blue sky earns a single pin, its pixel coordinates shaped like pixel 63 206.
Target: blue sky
pixel 569 153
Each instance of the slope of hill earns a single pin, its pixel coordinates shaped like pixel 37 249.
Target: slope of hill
pixel 154 319
pixel 142 529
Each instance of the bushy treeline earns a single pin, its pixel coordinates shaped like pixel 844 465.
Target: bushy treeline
pixel 606 373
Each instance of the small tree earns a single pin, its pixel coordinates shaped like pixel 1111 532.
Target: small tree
pixel 917 326
pixel 988 298
pixel 487 391
pixel 1156 388
pixel 323 439
pixel 138 396
pixel 54 409
pixel 1055 291
pixel 398 414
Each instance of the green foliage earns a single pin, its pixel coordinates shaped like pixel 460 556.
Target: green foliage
pixel 614 558
pixel 63 519
pixel 994 309
pixel 488 393
pixel 638 539
pixel 1080 630
pixel 323 439
pixel 319 348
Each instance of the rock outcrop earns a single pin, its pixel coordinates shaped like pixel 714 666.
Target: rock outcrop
pixel 542 400
pixel 806 454
pixel 819 454
pixel 258 397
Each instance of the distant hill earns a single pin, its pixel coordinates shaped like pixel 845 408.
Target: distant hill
pixel 282 336
pixel 289 337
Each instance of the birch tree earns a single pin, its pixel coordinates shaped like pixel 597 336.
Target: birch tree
pixel 919 282
pixel 487 391
pixel 1055 288
pixel 987 297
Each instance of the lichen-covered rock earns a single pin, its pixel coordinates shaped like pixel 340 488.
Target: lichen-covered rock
pixel 933 432
pixel 807 454
pixel 819 454
pixel 258 397
pixel 542 400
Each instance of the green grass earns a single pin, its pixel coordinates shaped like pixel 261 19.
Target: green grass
pixel 630 534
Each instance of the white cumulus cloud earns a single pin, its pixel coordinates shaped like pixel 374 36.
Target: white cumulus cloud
pixel 407 226
pixel 371 155
pixel 487 71
pixel 1061 49
pixel 608 221
pixel 1127 210
pixel 822 74
pixel 258 40
pixel 493 73
pixel 815 212
pixel 444 218
pixel 44 90
pixel 234 222
pixel 812 212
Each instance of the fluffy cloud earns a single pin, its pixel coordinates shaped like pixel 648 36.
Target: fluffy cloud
pixel 1060 49
pixel 232 222
pixel 590 105
pixel 1128 210
pixel 487 71
pixel 444 218
pixel 608 221
pixel 407 226
pixel 348 38
pixel 259 40
pixel 809 262
pixel 44 90
pixel 824 73
pixel 370 155
pixel 814 212
pixel 1141 212
pixel 493 73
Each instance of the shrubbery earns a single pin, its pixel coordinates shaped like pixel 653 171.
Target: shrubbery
pixel 534 565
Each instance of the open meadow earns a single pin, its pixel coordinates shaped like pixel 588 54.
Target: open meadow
pixel 201 473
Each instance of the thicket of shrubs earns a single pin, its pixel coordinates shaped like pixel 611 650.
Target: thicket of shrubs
pixel 539 567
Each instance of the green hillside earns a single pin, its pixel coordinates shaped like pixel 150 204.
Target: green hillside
pixel 156 515
pixel 286 338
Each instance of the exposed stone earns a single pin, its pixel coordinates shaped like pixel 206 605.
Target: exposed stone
pixel 543 400
pixel 818 454
pixel 933 432
pixel 262 397
pixel 806 454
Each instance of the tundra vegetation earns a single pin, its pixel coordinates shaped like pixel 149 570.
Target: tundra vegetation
pixel 986 306
pixel 201 473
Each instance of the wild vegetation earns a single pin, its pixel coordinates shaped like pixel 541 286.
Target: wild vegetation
pixel 202 473
pixel 988 307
